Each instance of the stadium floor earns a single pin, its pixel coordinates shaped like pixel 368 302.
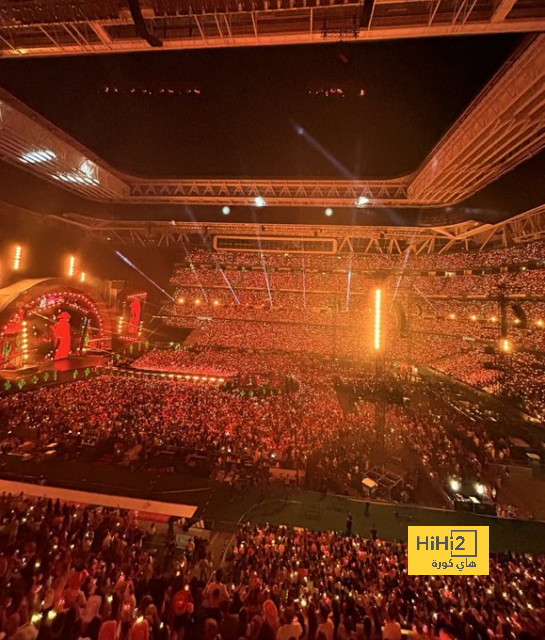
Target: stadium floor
pixel 223 507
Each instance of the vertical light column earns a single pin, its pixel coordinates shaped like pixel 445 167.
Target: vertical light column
pixel 17 257
pixel 25 341
pixel 378 319
pixel 71 266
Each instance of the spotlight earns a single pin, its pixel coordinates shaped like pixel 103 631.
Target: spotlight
pixel 181 300
pixel 71 266
pixel 362 201
pixel 329 212
pixel 226 210
pixel 455 485
pixel 480 489
pixel 260 202
pixel 35 157
pixel 76 177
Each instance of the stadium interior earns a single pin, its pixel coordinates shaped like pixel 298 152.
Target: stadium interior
pixel 272 292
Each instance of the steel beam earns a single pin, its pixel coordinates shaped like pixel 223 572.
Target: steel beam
pixel 526 227
pixel 503 9
pixel 504 125
pixel 27 28
pixel 309 193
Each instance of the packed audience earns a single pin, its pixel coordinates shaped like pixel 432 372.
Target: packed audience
pixel 272 366
pixel 334 585
pixel 437 309
pixel 75 571
pixel 294 335
pixel 522 254
pixel 327 435
pixel 267 336
pixel 517 376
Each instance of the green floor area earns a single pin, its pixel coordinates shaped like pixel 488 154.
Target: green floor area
pixel 223 507
pixel 311 510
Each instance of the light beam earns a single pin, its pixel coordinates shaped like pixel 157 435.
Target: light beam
pixel 133 266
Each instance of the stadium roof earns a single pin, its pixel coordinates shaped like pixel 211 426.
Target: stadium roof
pixel 463 236
pixel 456 126
pixel 67 27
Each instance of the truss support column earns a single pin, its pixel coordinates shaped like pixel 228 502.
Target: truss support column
pixel 504 349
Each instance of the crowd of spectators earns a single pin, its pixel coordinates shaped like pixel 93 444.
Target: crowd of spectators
pixel 332 585
pixel 311 428
pixel 71 571
pixel 266 336
pixel 214 301
pixel 273 367
pixel 440 309
pixel 519 269
pixel 462 260
pixel 518 376
pixel 261 313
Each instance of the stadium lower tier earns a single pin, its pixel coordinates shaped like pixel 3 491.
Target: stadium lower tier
pixel 325 427
pixel 98 573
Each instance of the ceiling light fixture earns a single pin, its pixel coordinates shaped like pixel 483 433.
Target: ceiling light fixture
pixel 362 201
pixel 40 155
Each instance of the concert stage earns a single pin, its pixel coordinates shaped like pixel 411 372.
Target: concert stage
pixel 67 365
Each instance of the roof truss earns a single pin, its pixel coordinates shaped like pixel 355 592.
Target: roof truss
pixel 504 126
pixel 68 27
pixel 470 235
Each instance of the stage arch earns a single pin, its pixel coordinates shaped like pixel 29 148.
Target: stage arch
pixel 48 319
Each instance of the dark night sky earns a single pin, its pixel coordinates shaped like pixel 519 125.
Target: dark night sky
pixel 244 124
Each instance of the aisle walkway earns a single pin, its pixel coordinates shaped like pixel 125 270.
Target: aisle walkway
pixel 147 509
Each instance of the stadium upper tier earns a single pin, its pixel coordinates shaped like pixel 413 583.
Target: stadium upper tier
pixel 457 294
pixel 217 279
pixel 438 310
pixel 371 262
